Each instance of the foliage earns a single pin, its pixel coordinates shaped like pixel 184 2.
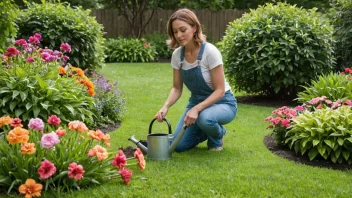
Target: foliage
pixel 333 85
pixel 342 20
pixel 325 132
pixel 8 14
pixel 129 50
pixel 39 152
pixel 276 48
pixel 60 23
pixel 32 87
pixel 159 42
pixel 109 101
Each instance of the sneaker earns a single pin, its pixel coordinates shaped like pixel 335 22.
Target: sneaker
pixel 220 147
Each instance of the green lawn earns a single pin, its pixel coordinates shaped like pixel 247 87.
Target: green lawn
pixel 245 168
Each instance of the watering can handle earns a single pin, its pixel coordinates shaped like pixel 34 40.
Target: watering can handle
pixel 168 124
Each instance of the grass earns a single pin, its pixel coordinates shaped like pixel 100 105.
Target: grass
pixel 245 168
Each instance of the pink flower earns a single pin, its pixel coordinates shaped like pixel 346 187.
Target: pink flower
pixel 12 51
pixel 37 36
pixel 50 140
pixel 126 175
pixel 66 57
pixel 46 170
pixel 36 124
pixel 65 47
pixel 285 123
pixel 119 160
pixel 146 44
pixel 29 60
pixel 60 132
pixel 319 106
pixel 34 40
pixel 299 108
pixel 75 171
pixel 21 42
pixel 54 120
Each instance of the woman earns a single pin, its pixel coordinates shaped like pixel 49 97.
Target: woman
pixel 199 66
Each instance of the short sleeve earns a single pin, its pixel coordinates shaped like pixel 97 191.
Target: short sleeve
pixel 175 59
pixel 213 56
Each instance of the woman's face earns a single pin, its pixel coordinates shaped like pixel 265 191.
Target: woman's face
pixel 183 32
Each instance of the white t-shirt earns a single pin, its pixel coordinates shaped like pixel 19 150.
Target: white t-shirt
pixel 211 58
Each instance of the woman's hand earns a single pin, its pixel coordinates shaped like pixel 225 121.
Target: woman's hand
pixel 160 115
pixel 191 116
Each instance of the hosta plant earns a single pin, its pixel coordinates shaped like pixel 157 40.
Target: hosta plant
pixel 333 85
pixel 52 156
pixel 324 132
pixel 31 86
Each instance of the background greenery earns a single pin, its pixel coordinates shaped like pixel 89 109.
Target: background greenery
pixel 245 168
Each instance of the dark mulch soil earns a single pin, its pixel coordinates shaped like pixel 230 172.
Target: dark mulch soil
pixel 282 151
pixel 110 127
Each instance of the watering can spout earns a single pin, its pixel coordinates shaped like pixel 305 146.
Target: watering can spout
pixel 139 145
pixel 177 139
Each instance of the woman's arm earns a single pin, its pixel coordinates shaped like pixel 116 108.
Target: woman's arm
pixel 174 95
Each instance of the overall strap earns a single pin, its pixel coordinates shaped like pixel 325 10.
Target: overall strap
pixel 199 58
pixel 182 56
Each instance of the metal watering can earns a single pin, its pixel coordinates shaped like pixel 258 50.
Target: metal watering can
pixel 158 144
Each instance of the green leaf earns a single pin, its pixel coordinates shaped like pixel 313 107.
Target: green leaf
pixel 36 111
pixel 15 94
pixel 312 153
pixel 315 142
pixel 19 112
pixel 13 105
pixel 346 154
pixel 340 141
pixel 70 108
pixel 28 106
pixel 24 95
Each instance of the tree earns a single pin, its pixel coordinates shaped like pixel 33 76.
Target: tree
pixel 135 12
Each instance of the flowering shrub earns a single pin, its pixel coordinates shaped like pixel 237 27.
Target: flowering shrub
pixel 280 121
pixel 129 50
pixel 30 85
pixel 51 156
pixel 109 101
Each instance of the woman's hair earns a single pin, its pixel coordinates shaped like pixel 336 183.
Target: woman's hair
pixel 189 17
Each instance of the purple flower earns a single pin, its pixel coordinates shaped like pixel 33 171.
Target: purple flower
pixel 50 140
pixel 36 124
pixel 65 47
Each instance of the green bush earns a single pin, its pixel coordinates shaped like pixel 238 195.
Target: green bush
pixel 342 20
pixel 334 86
pixel 129 50
pixel 31 87
pixel 8 13
pixel 60 23
pixel 159 42
pixel 109 101
pixel 325 132
pixel 275 48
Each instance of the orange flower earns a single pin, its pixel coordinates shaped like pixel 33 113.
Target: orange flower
pixel 140 157
pixel 18 135
pixel 97 135
pixel 91 92
pixel 79 71
pixel 106 139
pixel 28 148
pixel 62 71
pixel 31 188
pixel 98 151
pixel 5 121
pixel 77 126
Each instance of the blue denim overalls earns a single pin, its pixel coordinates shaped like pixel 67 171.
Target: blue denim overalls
pixel 210 120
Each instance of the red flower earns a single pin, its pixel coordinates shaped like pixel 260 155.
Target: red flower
pixel 54 120
pixel 126 175
pixel 60 132
pixel 12 51
pixel 120 160
pixel 75 171
pixel 46 170
pixel 16 122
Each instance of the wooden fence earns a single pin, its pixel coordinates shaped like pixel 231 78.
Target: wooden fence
pixel 214 23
